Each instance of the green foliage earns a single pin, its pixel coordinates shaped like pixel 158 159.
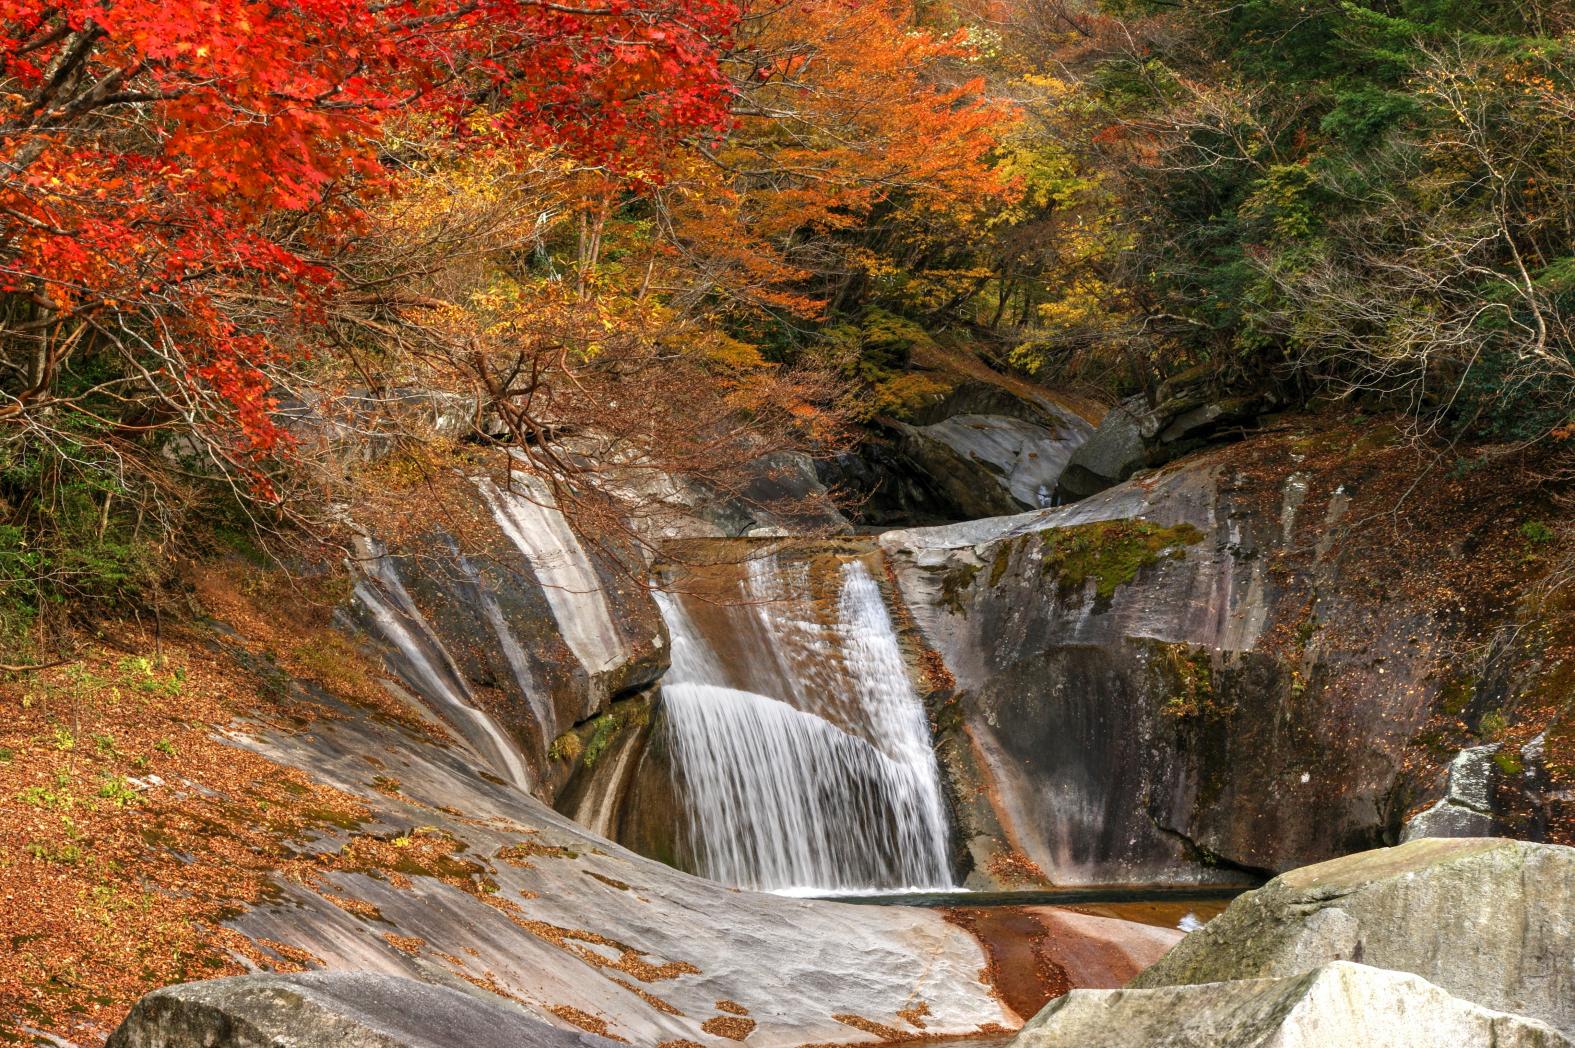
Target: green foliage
pixel 887 341
pixel 1359 193
pixel 566 747
pixel 1492 724
pixel 117 792
pixel 67 854
pixel 1497 399
pixel 605 729
pixel 1282 205
pixel 874 355
pixel 62 541
pixel 1536 531
pixel 1190 676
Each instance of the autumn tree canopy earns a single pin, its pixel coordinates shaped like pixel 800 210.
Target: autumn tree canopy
pixel 167 163
pixel 617 222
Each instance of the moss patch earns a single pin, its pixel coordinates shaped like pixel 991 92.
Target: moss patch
pixel 566 747
pixel 1190 674
pixel 587 742
pixel 955 583
pixel 1002 561
pixel 1110 552
pixel 610 725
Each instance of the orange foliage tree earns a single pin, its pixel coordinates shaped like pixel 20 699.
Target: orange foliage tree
pixel 863 142
pixel 636 309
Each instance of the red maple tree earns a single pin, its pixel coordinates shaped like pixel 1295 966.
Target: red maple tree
pixel 166 169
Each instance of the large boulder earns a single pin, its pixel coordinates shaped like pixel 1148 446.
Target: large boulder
pixel 988 465
pixel 1115 451
pixel 337 1009
pixel 1339 1004
pixel 980 450
pixel 1098 651
pixel 1466 808
pixel 1137 434
pixel 1489 920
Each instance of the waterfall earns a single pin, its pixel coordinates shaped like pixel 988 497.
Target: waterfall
pixel 799 745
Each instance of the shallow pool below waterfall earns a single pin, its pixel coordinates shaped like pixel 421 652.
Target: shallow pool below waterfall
pixel 1163 907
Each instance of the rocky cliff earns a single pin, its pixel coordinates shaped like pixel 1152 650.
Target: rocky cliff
pixel 1253 659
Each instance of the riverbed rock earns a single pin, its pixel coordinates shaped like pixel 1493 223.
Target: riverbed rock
pixel 1491 921
pixel 1039 952
pixel 1344 1004
pixel 1069 765
pixel 1100 951
pixel 580 932
pixel 339 1009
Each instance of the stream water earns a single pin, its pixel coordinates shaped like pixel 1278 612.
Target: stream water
pixel 1185 908
pixel 800 748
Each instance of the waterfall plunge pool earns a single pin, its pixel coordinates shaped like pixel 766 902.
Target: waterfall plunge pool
pixel 1158 905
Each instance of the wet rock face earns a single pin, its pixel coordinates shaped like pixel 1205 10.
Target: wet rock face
pixel 525 622
pixel 343 1009
pixel 1212 673
pixel 1492 791
pixel 1351 1005
pixel 1490 921
pixel 1089 646
pixel 1215 670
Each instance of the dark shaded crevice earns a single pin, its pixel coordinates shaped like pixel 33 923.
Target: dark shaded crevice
pixel 1210 859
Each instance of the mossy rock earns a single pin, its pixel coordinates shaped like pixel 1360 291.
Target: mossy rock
pixel 584 744
pixel 1110 552
pixel 955 583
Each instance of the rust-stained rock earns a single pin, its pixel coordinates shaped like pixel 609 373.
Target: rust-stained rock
pixel 1038 953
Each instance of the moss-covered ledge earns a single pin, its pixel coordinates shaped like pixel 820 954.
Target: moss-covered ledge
pixel 1110 552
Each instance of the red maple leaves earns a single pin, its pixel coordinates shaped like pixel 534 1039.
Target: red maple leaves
pixel 164 166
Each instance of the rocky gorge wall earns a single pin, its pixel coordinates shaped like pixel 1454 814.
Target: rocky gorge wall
pixel 1239 664
pixel 1253 658
pixel 1243 663
pixel 1231 666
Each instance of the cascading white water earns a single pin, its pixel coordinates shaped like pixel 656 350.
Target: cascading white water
pixel 803 755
